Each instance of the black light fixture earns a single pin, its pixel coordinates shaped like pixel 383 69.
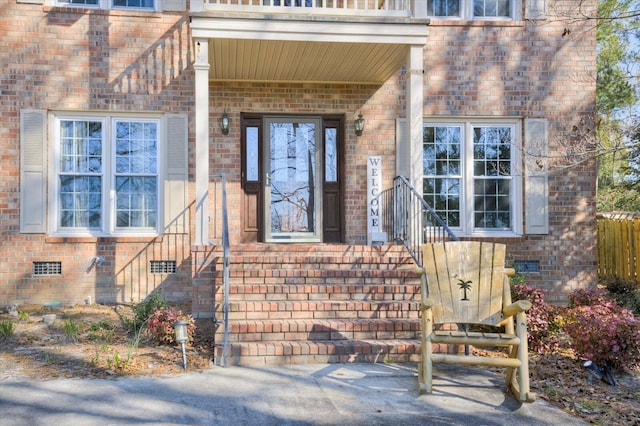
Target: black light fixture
pixel 224 124
pixel 359 124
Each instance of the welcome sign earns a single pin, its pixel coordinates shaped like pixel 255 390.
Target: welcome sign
pixel 375 236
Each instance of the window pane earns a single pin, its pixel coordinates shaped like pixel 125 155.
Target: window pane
pixel 136 202
pixel 80 201
pixel 79 178
pixel 136 148
pixel 441 161
pixel 504 8
pixel 91 2
pixel 330 155
pixel 80 146
pixel 492 158
pixel 492 151
pixel 492 8
pixel 133 3
pixel 492 206
pixel 443 195
pixel 443 7
pixel 428 159
pixel 252 154
pixel 136 174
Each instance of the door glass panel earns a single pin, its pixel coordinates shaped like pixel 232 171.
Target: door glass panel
pixel 330 155
pixel 292 183
pixel 252 154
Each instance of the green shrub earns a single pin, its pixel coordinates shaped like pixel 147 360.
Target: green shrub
pixel 160 325
pixel 143 310
pixel 603 331
pixel 626 293
pixel 71 329
pixel 101 331
pixel 7 328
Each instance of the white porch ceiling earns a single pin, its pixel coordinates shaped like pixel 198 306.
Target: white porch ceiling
pixel 306 50
pixel 270 60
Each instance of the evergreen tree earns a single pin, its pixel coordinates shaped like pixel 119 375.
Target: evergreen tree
pixel 616 100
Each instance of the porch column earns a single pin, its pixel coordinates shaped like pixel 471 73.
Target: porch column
pixel 415 111
pixel 201 67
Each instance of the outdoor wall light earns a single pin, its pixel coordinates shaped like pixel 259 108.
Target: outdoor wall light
pixel 224 124
pixel 359 124
pixel 181 337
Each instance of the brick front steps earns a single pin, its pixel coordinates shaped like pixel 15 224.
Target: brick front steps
pixel 300 303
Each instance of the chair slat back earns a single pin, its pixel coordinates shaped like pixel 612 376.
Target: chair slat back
pixel 465 278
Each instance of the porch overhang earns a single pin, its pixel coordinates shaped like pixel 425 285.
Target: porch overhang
pixel 280 48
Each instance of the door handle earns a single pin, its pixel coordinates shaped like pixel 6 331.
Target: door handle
pixel 268 179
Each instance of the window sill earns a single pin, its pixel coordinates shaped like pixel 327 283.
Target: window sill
pixel 505 235
pixel 435 22
pixel 95 240
pixel 88 10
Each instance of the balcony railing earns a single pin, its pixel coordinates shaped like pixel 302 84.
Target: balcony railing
pixel 349 8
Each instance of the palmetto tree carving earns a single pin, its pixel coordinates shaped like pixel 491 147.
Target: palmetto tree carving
pixel 464 286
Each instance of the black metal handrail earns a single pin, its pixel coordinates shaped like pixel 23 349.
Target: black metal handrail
pixel 226 252
pixel 409 220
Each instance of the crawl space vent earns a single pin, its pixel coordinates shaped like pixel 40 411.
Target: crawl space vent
pixel 47 268
pixel 526 266
pixel 163 266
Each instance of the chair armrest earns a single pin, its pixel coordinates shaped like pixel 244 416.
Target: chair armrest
pixel 428 303
pixel 516 308
pixel 510 272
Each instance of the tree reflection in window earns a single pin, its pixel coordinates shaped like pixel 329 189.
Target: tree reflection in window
pixel 292 189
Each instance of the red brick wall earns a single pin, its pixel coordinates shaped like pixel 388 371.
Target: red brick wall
pixel 86 60
pixel 67 59
pixel 542 69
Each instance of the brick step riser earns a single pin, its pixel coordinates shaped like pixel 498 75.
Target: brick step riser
pixel 322 287
pixel 358 358
pixel 308 291
pixel 279 353
pixel 305 330
pixel 236 284
pixel 313 326
pixel 324 306
pixel 321 270
pixel 235 315
pixel 316 336
pixel 319 249
pixel 279 277
pixel 328 297
pixel 364 262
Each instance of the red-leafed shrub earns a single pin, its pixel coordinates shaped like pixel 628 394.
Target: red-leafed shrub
pixel 542 319
pixel 588 297
pixel 603 331
pixel 160 325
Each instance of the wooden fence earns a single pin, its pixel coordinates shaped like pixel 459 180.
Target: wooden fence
pixel 619 246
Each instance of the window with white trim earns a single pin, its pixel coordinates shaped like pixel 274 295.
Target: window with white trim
pixel 134 3
pixel 473 9
pixel 470 175
pixel 111 4
pixel 79 2
pixel 107 175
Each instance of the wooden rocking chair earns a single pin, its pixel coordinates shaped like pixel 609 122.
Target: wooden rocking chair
pixel 465 283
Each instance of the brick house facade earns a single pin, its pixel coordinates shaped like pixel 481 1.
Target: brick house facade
pixel 66 65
